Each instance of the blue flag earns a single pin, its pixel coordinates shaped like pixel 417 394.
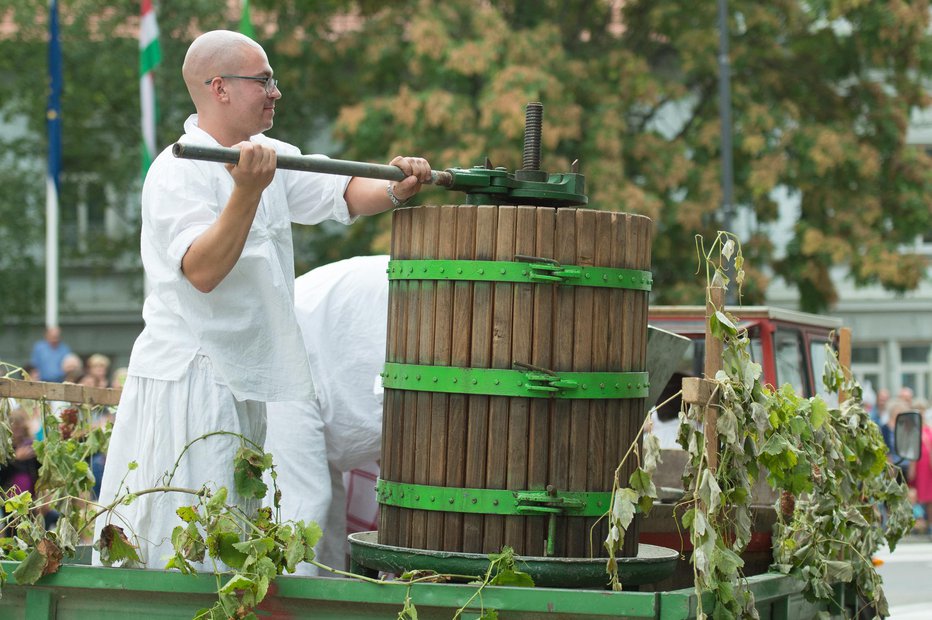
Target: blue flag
pixel 53 123
pixel 53 109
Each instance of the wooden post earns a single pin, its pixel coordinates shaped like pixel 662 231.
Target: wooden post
pixel 844 358
pixel 701 391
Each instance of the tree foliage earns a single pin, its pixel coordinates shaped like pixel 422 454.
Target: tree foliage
pixel 821 91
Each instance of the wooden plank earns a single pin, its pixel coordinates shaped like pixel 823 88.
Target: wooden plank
pixel 410 439
pixel 630 421
pixel 480 356
pixel 599 469
pixel 427 239
pixel 390 461
pixel 62 392
pixel 521 351
pixel 465 241
pixel 440 403
pixel 542 357
pixel 617 345
pixel 584 323
pixel 561 410
pixel 637 410
pixel 499 460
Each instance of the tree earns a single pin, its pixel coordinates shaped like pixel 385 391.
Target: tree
pixel 822 92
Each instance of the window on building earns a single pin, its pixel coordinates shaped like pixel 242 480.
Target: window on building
pixel 83 210
pixel 914 369
pixel 867 366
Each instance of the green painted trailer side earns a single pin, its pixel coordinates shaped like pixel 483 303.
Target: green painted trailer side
pixel 85 593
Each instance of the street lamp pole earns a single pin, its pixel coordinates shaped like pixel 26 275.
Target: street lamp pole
pixel 724 112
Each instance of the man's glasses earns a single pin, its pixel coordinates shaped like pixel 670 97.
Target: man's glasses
pixel 268 82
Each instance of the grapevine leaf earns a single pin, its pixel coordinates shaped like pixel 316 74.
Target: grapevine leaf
pixel 247 475
pixel 294 552
pixel 115 547
pixel 217 501
pixel 623 507
pixel 709 491
pixel 511 577
pixel 727 326
pixel 818 413
pixel 237 582
pixel 255 546
pixel 188 514
pixel 31 569
pixel 651 452
pixel 726 560
pixel 838 571
pixel 641 482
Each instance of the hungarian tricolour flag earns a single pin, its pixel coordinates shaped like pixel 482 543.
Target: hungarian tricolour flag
pixel 150 55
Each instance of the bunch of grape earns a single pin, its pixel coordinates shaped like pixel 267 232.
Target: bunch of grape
pixel 69 420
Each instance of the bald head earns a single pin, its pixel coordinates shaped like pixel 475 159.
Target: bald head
pixel 213 53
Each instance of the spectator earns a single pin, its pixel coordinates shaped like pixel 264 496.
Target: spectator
pixel 30 373
pixel 879 410
pixel 48 355
pixel 97 372
pixel 22 471
pixel 118 378
pixel 920 478
pixel 72 367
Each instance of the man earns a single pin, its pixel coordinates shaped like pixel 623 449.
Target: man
pixel 342 309
pixel 221 339
pixel 48 355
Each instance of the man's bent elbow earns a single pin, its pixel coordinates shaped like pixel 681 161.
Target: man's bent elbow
pixel 203 282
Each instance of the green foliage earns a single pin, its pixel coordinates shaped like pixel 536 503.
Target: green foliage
pixel 821 95
pixel 829 463
pixel 637 496
pixel 835 528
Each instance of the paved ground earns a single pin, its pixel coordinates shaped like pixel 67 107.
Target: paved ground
pixel 907 579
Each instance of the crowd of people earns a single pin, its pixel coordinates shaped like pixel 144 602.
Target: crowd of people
pixel 884 411
pixel 52 360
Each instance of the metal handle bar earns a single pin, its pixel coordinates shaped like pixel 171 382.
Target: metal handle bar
pixel 310 163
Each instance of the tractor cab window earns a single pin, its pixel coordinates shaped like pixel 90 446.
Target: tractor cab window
pixel 818 356
pixel 790 363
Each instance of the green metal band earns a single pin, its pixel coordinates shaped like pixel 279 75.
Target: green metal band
pixel 492 501
pixel 536 271
pixel 531 383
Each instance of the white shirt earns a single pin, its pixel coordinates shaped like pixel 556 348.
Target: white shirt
pixel 343 312
pixel 246 325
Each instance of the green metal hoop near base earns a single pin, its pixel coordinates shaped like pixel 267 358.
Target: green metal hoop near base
pixel 492 501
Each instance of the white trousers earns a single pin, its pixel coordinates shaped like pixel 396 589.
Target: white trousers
pixel 154 422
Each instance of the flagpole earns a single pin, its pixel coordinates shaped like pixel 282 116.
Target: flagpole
pixel 53 122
